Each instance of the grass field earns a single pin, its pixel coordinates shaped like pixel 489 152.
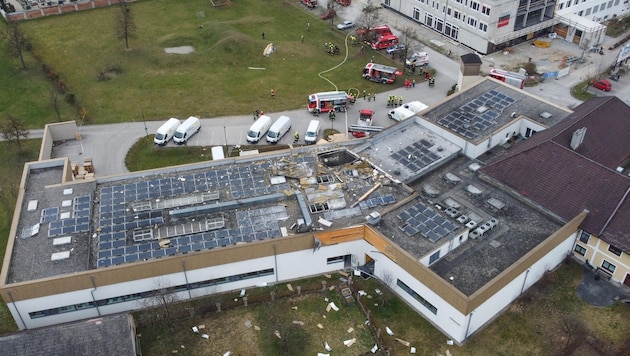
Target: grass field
pixel 215 80
pixel 531 325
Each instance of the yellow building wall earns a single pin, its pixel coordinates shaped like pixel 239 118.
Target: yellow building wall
pixel 597 251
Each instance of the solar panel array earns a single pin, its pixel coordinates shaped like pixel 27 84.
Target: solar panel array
pixel 49 214
pixel 78 222
pixel 116 214
pixel 422 219
pixel 469 122
pixel 415 156
pixel 381 200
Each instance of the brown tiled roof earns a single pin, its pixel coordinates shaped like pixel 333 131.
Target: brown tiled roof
pixel 546 170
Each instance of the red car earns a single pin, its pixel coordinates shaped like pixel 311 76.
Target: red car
pixel 328 15
pixel 602 84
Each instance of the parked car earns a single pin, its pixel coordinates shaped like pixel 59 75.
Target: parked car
pixel 601 84
pixel 397 48
pixel 328 15
pixel 345 25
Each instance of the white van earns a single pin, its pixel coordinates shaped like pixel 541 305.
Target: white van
pixel 190 127
pixel 312 131
pixel 279 129
pixel 400 114
pixel 258 129
pixel 415 106
pixel 166 131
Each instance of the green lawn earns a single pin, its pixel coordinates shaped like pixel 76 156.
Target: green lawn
pixel 216 79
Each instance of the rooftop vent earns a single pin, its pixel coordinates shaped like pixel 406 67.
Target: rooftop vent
pixel 545 115
pixel 578 138
pixel 482 109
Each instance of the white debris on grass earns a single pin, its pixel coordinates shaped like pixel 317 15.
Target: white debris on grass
pixel 320 326
pixel 327 347
pixel 374 349
pixel 298 322
pixel 362 293
pixel 277 333
pixel 332 306
pixel 179 50
pixel 205 336
pixel 350 330
pixel 413 350
pixel 350 342
pixel 404 342
pixel 389 331
pixel 195 329
pixel 290 287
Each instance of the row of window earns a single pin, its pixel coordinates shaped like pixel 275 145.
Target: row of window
pixel 416 296
pixel 581 250
pixel 135 296
pixel 448 29
pixel 474 5
pixel 585 237
pixel 601 7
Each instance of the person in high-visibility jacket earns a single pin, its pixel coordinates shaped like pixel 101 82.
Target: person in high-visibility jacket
pixel 297 136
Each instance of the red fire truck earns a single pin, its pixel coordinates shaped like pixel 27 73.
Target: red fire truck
pixel 384 41
pixel 328 101
pixel 380 73
pixel 344 2
pixel 511 78
pixel 375 31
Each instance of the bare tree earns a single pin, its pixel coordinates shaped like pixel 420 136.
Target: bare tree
pixel 369 18
pixel 332 13
pixel 54 103
pixel 15 42
pixel 13 130
pixel 407 36
pixel 162 302
pixel 125 25
pixel 575 330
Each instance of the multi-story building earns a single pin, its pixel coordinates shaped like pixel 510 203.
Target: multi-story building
pixel 485 26
pixel 411 206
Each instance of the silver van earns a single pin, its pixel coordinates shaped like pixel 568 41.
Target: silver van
pixel 279 129
pixel 312 132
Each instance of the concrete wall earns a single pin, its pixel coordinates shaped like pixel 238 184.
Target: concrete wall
pixel 56 132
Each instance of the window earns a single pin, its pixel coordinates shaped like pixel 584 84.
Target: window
pixel 579 249
pixel 416 14
pixel 608 266
pixel 485 10
pixel 614 250
pixel 336 259
pixel 416 296
pixel 457 15
pixel 472 22
pixel 588 12
pixel 560 7
pixel 616 2
pixel 451 31
pixel 483 27
pixel 428 19
pixel 595 9
pixel 439 25
pixel 610 4
pixel 584 236
pixel 434 257
pixel 474 5
pixel 602 7
pixel 449 11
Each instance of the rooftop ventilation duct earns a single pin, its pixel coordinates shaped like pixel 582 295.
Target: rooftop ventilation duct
pixel 578 138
